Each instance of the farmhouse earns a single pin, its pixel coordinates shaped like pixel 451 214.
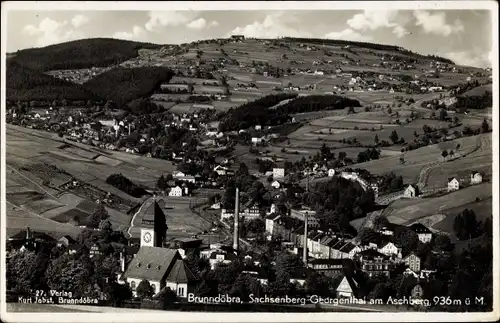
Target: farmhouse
pixel 175 191
pixel 331 172
pixel 347 287
pixel 65 241
pixel 162 268
pixel 278 173
pixel 411 191
pixel 413 262
pixel 276 184
pixel 424 234
pixel 374 263
pixel 389 249
pixel 453 184
pixel 476 178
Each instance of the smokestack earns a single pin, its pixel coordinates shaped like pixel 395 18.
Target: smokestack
pixel 122 262
pixel 306 223
pixel 236 233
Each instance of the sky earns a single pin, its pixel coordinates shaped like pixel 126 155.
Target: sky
pixel 465 36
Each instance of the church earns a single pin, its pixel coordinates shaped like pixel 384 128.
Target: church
pixel 160 266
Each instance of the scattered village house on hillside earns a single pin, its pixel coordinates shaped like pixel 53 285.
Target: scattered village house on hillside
pixel 411 191
pixel 278 173
pixel 424 234
pixel 476 178
pixel 162 268
pixel 453 184
pixel 413 262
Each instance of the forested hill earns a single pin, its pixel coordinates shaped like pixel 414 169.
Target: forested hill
pixel 85 53
pixel 25 84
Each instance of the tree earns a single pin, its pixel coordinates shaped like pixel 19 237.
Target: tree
pixel 444 153
pixel 442 114
pixel 99 214
pixel 72 274
pixel 376 140
pixel 144 289
pixel 485 127
pixel 394 136
pixel 26 271
pixel 162 183
pixel 458 146
pixel 465 225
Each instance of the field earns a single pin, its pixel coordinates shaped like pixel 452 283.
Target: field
pixel 483 209
pixel 418 158
pixel 44 208
pixel 480 161
pixel 407 211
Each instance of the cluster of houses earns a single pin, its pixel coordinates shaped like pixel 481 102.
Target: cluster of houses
pixel 79 76
pixel 330 253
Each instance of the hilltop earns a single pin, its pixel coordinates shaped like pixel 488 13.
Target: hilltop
pixel 225 73
pixel 78 54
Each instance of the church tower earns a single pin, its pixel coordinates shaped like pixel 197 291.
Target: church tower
pixel 154 231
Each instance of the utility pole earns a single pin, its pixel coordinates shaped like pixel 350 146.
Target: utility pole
pixel 236 236
pixel 304 254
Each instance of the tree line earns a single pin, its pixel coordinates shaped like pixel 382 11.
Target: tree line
pixel 258 113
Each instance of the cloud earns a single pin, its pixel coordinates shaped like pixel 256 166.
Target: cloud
pixel 279 24
pixel 371 20
pixel 79 20
pixel 348 34
pixel 400 31
pixel 199 23
pixel 50 32
pixel 436 23
pixel 136 33
pixel 159 19
pixel 470 58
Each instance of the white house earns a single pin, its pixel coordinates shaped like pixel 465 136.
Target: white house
pixel 411 191
pixel 258 127
pixel 453 184
pixel 476 178
pixel 220 170
pixel 413 262
pixel 278 173
pixel 215 206
pixel 331 172
pixel 175 191
pixel 347 288
pixel 276 184
pixel 424 234
pixel 389 249
pixel 270 221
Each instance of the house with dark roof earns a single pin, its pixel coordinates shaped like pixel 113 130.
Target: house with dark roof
pixel 186 245
pixel 374 263
pixel 331 267
pixel 162 268
pixel 29 240
pixel 346 287
pixel 423 233
pixel 65 241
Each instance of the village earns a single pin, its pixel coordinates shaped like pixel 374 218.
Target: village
pixel 312 173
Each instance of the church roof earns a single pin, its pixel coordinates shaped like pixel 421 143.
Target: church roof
pixel 180 273
pixel 154 212
pixel 152 263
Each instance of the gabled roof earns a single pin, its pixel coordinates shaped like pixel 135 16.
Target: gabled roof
pixel 152 263
pixel 68 238
pixel 419 228
pixel 371 253
pixel 348 247
pixel 180 273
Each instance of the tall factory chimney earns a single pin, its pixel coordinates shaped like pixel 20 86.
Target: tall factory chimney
pixel 236 232
pixel 304 247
